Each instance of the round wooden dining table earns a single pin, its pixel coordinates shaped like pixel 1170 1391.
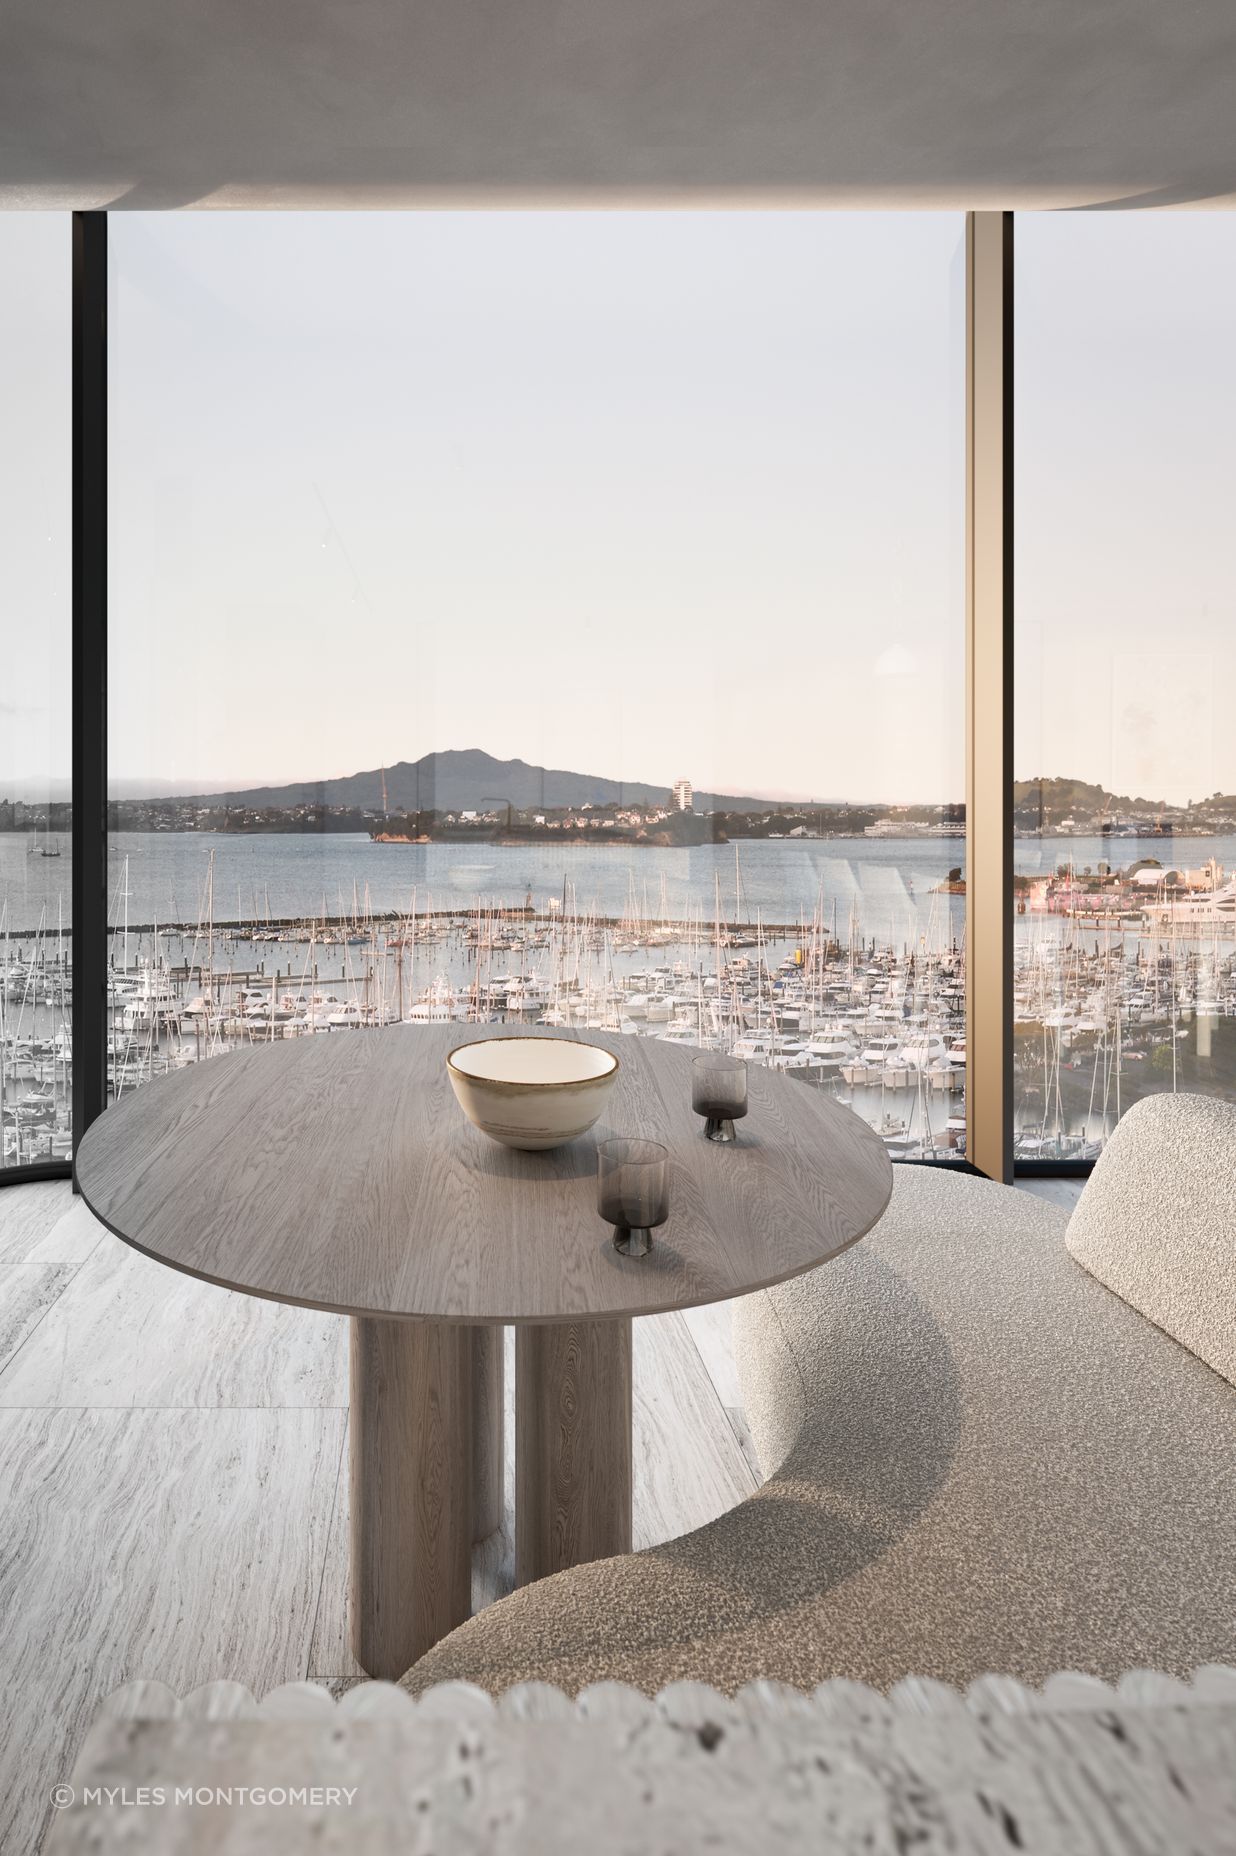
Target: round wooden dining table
pixel 338 1172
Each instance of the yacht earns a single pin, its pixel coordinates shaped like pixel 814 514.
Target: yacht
pixel 438 1005
pixel 791 1057
pixel 681 1034
pixel 155 1000
pixel 925 1052
pixel 755 1047
pixel 829 1049
pixel 1210 907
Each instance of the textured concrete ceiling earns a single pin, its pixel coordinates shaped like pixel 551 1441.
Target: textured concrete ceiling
pixel 161 103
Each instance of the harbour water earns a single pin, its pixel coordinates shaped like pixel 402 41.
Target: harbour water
pixel 892 881
pixel 292 876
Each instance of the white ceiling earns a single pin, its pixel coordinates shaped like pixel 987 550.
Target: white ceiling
pixel 165 103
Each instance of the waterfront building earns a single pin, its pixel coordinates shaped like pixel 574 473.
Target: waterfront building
pixel 683 796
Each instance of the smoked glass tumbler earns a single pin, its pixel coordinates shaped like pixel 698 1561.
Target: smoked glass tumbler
pixel 633 1191
pixel 719 1093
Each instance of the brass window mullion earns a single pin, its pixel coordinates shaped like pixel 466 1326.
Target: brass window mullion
pixel 989 692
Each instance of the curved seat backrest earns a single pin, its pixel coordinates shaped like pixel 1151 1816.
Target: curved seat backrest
pixel 1157 1221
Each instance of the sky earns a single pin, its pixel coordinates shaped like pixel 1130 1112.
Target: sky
pixel 1125 390
pixel 35 509
pixel 645 495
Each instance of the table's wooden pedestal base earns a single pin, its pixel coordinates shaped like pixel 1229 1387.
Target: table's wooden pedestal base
pixel 425 1446
pixel 572 1445
pixel 425 1443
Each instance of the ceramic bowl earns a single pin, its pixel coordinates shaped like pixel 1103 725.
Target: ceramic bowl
pixel 531 1092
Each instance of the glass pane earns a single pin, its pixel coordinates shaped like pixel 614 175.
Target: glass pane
pixel 36 1057
pixel 543 617
pixel 1126 657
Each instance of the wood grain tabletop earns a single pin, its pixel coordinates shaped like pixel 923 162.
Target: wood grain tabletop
pixel 339 1172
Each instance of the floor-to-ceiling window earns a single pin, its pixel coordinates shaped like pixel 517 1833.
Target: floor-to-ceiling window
pixel 35 688
pixel 548 617
pixel 1125 798
pixel 558 616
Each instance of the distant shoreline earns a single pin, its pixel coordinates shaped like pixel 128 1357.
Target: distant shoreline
pixel 586 839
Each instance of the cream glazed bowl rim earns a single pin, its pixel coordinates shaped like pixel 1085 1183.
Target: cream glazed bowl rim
pixel 511 1082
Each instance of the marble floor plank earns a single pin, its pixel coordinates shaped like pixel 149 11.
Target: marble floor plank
pixel 746 1443
pixel 128 1331
pixel 182 1546
pixel 1062 1192
pixel 27 1291
pixel 689 1467
pixel 330 1647
pixel 28 1215
pixel 710 1329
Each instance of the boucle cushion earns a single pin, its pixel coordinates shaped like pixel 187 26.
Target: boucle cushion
pixel 981 1460
pixel 1157 1221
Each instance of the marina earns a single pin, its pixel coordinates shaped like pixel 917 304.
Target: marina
pixel 858 990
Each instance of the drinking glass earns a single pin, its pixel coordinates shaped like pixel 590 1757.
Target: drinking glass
pixel 719 1093
pixel 633 1191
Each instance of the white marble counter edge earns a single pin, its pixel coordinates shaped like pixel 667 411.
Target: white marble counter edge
pixel 689 1705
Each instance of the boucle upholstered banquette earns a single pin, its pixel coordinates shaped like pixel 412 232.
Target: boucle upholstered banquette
pixel 1157 1221
pixel 979 1458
